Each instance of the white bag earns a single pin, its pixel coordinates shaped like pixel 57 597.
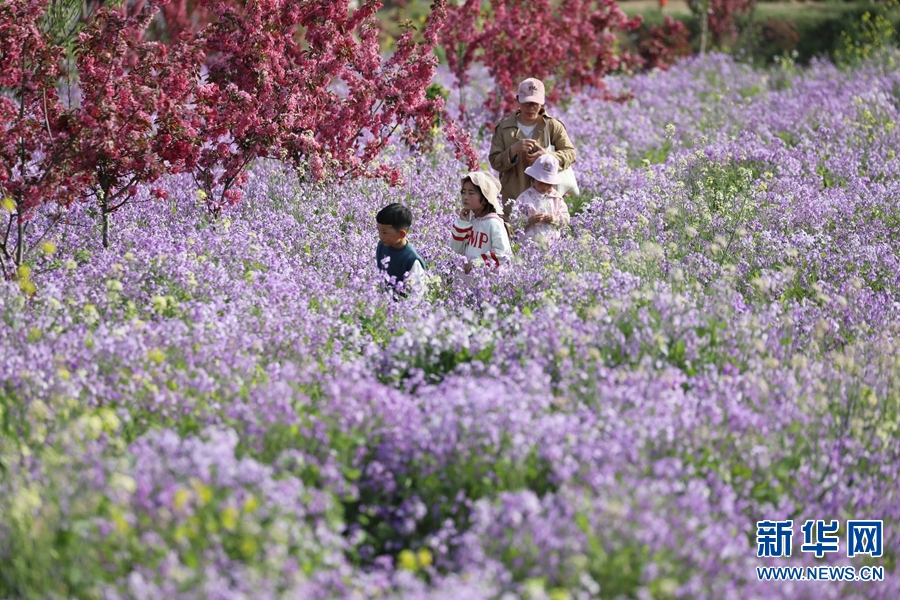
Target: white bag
pixel 569 185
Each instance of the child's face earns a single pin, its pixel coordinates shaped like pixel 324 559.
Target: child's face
pixel 542 187
pixel 471 197
pixel 391 237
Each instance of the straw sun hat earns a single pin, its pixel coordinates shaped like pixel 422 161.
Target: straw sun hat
pixel 489 186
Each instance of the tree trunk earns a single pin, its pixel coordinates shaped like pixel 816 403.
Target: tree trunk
pixel 104 217
pixel 750 35
pixel 20 241
pixel 105 229
pixel 704 28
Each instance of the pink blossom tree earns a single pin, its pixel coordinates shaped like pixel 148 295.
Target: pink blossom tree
pixel 570 44
pixel 463 37
pixel 133 94
pixel 302 82
pixel 35 132
pixel 305 82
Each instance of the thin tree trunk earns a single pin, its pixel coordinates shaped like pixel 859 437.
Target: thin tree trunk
pixel 751 34
pixel 104 217
pixel 704 27
pixel 105 229
pixel 462 103
pixel 20 242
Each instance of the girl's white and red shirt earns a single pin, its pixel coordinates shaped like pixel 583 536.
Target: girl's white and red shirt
pixel 531 202
pixel 483 240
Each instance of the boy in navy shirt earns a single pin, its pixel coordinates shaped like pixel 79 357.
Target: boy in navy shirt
pixel 395 256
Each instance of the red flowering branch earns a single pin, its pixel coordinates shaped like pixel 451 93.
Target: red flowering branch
pixel 463 40
pixel 181 16
pixel 35 135
pixel 569 44
pixel 132 97
pixel 305 82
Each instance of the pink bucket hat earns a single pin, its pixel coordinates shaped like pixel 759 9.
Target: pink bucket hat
pixel 546 169
pixel 531 90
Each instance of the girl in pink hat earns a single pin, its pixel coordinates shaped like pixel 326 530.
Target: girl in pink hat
pixel 540 211
pixel 479 233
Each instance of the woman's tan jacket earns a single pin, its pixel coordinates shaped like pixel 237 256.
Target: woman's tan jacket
pixel 513 179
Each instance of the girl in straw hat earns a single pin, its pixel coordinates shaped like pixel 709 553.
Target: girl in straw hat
pixel 479 233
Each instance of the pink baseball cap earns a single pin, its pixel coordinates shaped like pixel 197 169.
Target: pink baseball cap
pixel 546 169
pixel 531 90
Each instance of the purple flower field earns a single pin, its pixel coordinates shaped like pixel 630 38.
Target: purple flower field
pixel 236 409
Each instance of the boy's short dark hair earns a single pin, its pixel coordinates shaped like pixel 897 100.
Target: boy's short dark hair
pixel 396 215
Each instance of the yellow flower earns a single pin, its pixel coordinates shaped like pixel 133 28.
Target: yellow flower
pixel 424 556
pixel 159 303
pixel 24 272
pixel 204 492
pixel 156 355
pixel 93 426
pixel 121 524
pixel 868 396
pixel 38 410
pixel 28 287
pixel 180 499
pixel 251 504
pixel 230 518
pixel 127 484
pixel 48 248
pixel 8 204
pixel 248 547
pixel 407 560
pixel 109 419
pixel 24 503
pixel 180 533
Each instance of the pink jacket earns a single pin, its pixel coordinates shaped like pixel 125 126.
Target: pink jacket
pixel 531 202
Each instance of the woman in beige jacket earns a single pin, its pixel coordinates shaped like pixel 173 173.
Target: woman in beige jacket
pixel 522 137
